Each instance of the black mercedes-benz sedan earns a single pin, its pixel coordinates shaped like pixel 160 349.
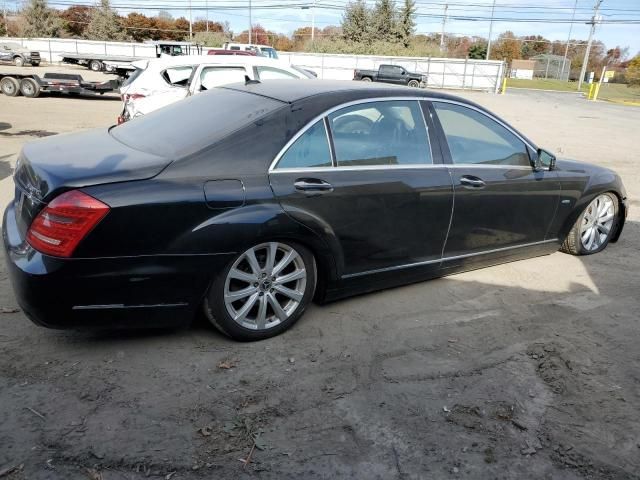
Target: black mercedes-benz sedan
pixel 249 201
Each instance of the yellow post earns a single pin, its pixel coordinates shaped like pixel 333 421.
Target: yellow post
pixel 597 90
pixel 504 85
pixel 591 85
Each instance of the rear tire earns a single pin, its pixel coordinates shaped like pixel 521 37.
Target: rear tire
pixel 95 65
pixel 595 226
pixel 10 86
pixel 263 291
pixel 366 79
pixel 29 88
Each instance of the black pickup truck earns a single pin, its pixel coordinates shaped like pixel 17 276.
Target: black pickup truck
pixel 391 74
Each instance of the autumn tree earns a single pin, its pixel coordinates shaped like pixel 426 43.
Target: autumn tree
pixel 507 47
pixel 40 20
pixel 139 27
pixel 105 24
pixel 258 35
pixel 533 45
pixel 75 20
pixel 633 72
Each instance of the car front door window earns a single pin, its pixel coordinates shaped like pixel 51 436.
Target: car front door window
pixel 474 138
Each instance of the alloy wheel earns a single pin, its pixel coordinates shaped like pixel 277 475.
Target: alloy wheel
pixel 597 222
pixel 265 286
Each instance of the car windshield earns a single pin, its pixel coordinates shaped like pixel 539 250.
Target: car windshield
pixel 193 124
pixel 269 52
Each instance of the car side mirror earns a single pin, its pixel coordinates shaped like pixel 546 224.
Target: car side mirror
pixel 545 160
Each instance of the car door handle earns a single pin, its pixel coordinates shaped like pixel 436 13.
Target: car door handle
pixel 469 181
pixel 312 186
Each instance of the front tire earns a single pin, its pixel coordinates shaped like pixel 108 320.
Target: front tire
pixel 595 226
pixel 263 291
pixel 95 65
pixel 18 61
pixel 414 83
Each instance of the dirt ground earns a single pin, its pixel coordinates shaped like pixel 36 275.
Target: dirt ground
pixel 525 370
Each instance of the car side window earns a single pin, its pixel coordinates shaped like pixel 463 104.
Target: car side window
pixel 310 150
pixel 270 73
pixel 380 133
pixel 177 76
pixel 211 77
pixel 474 138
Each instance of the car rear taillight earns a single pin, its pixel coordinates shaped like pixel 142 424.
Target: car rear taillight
pixel 61 225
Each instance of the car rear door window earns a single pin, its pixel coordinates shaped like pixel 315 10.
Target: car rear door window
pixel 310 150
pixel 474 138
pixel 177 76
pixel 380 133
pixel 270 73
pixel 211 77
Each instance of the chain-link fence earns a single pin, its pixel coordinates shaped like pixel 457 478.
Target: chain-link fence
pixel 551 66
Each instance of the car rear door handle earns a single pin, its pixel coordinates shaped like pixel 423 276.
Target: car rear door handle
pixel 312 186
pixel 469 181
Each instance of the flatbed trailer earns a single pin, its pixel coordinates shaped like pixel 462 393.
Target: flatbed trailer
pixel 31 85
pixel 99 62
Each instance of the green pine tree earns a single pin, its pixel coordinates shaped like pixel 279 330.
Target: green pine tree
pixel 105 24
pixel 406 24
pixel 356 21
pixel 384 21
pixel 40 20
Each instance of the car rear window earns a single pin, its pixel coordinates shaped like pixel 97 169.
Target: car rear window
pixel 195 123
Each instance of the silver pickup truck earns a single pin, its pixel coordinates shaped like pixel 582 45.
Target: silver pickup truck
pixel 18 55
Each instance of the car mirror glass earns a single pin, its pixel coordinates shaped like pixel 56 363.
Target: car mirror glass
pixel 545 160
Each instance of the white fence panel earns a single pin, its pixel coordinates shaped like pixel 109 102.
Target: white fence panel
pixel 441 72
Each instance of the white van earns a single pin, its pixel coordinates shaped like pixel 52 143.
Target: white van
pixel 159 82
pixel 263 50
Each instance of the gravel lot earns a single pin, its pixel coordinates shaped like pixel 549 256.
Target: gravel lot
pixel 525 370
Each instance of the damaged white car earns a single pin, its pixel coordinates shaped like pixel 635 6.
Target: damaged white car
pixel 156 83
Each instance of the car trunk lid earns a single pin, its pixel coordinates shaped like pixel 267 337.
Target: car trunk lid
pixel 48 167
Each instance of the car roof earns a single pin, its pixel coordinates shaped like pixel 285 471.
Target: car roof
pixel 290 92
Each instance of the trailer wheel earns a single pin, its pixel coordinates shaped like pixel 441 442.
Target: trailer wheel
pixel 10 86
pixel 95 65
pixel 29 88
pixel 18 61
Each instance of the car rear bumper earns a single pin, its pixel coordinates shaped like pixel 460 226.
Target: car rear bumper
pixel 153 291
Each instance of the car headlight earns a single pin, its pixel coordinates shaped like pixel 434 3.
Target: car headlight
pixel 423 78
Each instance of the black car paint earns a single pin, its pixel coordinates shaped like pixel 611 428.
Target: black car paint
pixel 168 234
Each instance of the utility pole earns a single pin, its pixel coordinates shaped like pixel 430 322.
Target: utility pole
pixel 493 8
pixel 585 61
pixel 190 23
pixel 566 48
pixel 207 14
pixel 313 21
pixel 250 21
pixel 444 22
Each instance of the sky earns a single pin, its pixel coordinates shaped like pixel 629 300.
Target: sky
pixel 524 17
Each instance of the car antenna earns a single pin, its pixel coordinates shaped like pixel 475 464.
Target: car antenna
pixel 248 81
